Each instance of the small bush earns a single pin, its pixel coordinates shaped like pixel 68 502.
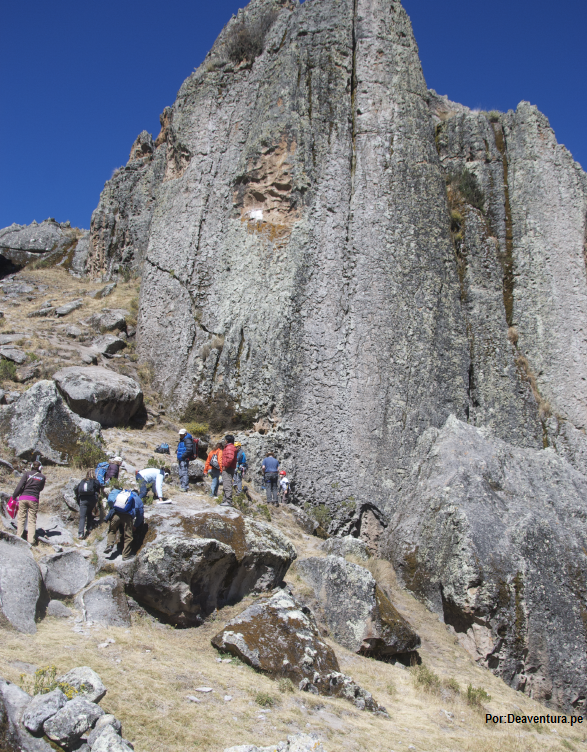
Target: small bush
pixel 197 429
pixel 245 40
pixel 7 370
pixel 155 462
pixel 320 513
pixel 424 678
pixel 513 335
pixel 44 681
pixel 467 185
pixel 87 454
pixel 285 685
pixel 452 685
pixel 264 512
pixel 391 690
pixel 477 695
pixel 265 700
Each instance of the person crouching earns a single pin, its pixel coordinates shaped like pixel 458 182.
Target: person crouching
pixel 128 516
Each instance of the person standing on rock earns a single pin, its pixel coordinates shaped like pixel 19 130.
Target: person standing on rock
pixel 87 493
pixel 228 468
pixel 27 494
pixel 241 467
pixel 185 453
pixel 270 469
pixel 214 467
pixel 152 477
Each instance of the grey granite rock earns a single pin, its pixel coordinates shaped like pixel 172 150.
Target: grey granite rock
pixel 14 354
pixel 40 423
pixel 346 546
pixel 65 574
pixel 104 602
pixel 49 239
pixel 294 743
pixel 195 471
pixel 58 610
pixel 41 708
pixel 108 344
pixel 86 681
pixel 109 319
pixel 100 394
pixel 74 719
pixel 67 308
pixel 357 612
pixel 20 584
pixel 106 720
pixel 110 741
pixel 15 737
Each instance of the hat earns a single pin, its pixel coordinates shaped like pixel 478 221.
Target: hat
pixel 116 459
pixel 237 443
pixel 182 431
pixel 282 472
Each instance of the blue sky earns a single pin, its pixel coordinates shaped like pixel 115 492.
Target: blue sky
pixel 79 81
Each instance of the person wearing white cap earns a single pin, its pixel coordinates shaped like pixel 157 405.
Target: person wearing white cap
pixel 113 469
pixel 152 477
pixel 185 453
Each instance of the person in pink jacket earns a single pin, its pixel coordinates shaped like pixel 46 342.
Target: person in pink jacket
pixel 27 494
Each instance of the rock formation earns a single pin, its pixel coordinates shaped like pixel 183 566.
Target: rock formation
pixel 49 241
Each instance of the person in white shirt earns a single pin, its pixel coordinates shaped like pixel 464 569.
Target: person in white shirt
pixel 152 477
pixel 283 487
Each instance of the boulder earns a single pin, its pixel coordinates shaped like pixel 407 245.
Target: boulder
pixel 103 292
pixel 69 307
pixel 24 243
pixel 68 494
pixel 109 741
pixel 493 538
pixel 20 584
pixel 104 602
pixel 279 636
pixel 14 736
pixel 102 723
pixel 41 708
pixel 14 354
pixel 86 681
pixel 193 562
pixel 58 610
pixel 65 574
pixel 357 612
pixel 303 519
pixel 294 743
pixel 195 471
pixel 108 344
pixel 40 423
pixel 109 319
pixel 99 394
pixel 69 724
pixel 346 546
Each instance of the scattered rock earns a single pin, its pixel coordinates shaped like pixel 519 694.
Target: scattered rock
pixel 110 741
pixel 28 373
pixel 41 708
pixel 294 743
pixel 15 737
pixel 104 602
pixel 102 723
pixel 73 331
pixel 76 717
pixel 109 319
pixel 103 292
pixel 196 471
pixel 65 574
pixel 86 681
pixel 100 394
pixel 8 339
pixel 44 310
pixel 69 307
pixel 20 584
pixel 12 397
pixel 40 423
pixel 108 344
pixel 346 546
pixel 358 614
pixel 58 610
pixel 13 354
pixel 89 357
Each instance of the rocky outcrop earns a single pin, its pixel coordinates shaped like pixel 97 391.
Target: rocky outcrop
pixel 346 546
pixel 294 743
pixel 13 734
pixel 100 394
pixel 86 681
pixel 73 720
pixel 109 319
pixel 493 539
pixel 104 602
pixel 65 574
pixel 20 244
pixel 356 611
pixel 194 562
pixel 280 637
pixel 20 584
pixel 41 708
pixel 41 424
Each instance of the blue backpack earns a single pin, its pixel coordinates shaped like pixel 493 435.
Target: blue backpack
pixel 101 472
pixel 112 496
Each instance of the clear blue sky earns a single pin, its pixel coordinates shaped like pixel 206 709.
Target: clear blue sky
pixel 80 80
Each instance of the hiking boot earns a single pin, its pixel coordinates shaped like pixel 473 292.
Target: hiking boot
pixel 108 550
pixel 128 558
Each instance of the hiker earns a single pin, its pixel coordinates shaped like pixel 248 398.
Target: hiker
pixel 270 468
pixel 126 514
pixel 185 453
pixel 283 487
pixel 241 467
pixel 27 494
pixel 87 493
pixel 214 467
pixel 152 478
pixel 113 469
pixel 228 468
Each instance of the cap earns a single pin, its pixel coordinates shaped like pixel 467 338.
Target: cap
pixel 116 459
pixel 182 431
pixel 282 472
pixel 237 443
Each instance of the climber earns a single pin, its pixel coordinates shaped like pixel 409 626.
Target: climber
pixel 241 467
pixel 87 493
pixel 270 468
pixel 128 515
pixel 113 469
pixel 228 468
pixel 283 487
pixel 214 467
pixel 152 478
pixel 27 494
pixel 185 453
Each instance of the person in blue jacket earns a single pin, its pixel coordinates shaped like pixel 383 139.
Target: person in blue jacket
pixel 241 467
pixel 129 521
pixel 185 453
pixel 270 469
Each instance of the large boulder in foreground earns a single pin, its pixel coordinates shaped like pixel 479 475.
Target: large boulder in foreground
pixel 99 394
pixel 279 636
pixel 14 737
pixel 493 538
pixel 66 573
pixel 20 584
pixel 193 562
pixel 40 423
pixel 357 612
pixel 104 602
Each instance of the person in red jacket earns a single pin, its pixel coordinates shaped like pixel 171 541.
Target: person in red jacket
pixel 228 467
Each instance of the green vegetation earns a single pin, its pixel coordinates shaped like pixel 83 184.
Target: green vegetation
pixel 44 681
pixel 320 513
pixel 245 40
pixel 467 185
pixel 476 696
pixel 7 370
pixel 265 700
pixel 424 678
pixel 285 685
pixel 155 462
pixel 87 453
pixel 452 685
pixel 197 429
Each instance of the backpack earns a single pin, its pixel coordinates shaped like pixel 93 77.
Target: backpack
pixel 124 503
pixel 162 449
pixel 112 496
pixel 101 472
pixel 85 488
pixel 214 462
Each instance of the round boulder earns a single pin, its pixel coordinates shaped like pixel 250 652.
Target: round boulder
pixel 99 394
pixel 66 573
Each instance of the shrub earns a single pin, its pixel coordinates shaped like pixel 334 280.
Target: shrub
pixel 245 40
pixel 265 700
pixel 467 185
pixel 513 335
pixel 264 512
pixel 197 429
pixel 320 513
pixel 477 695
pixel 87 453
pixel 452 685
pixel 285 685
pixel 44 681
pixel 425 678
pixel 7 370
pixel 155 462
